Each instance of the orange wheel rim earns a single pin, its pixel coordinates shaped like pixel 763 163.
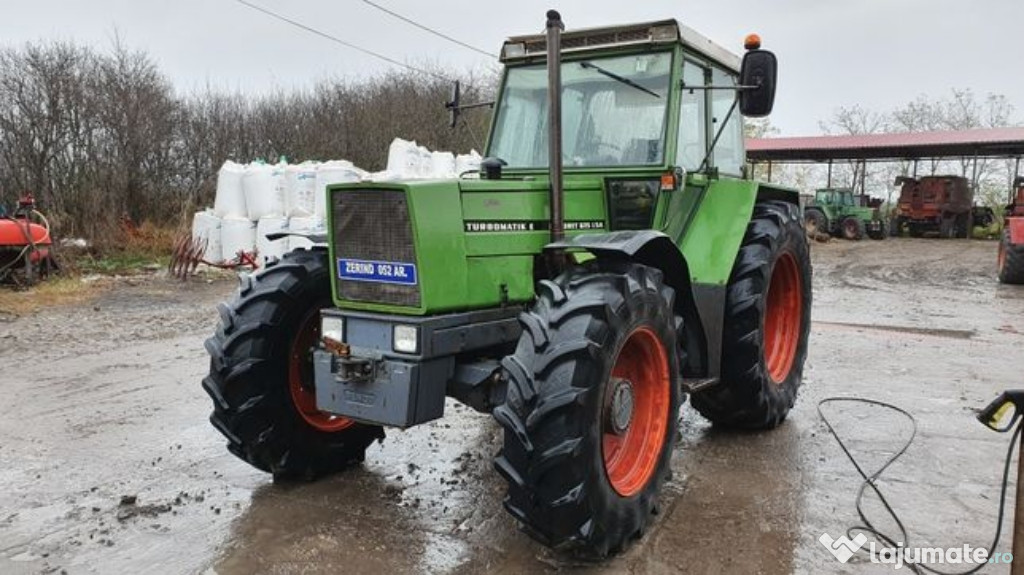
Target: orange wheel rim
pixel 631 443
pixel 783 316
pixel 300 377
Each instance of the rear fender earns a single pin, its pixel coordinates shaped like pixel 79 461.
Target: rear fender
pixel 772 192
pixel 655 249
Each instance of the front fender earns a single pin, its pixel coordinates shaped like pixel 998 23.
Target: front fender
pixel 655 249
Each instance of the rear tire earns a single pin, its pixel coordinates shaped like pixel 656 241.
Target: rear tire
pixel 853 228
pixel 816 219
pixel 767 323
pixel 1010 261
pixel 573 479
pixel 261 373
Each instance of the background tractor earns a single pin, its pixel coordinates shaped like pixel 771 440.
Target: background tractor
pixel 933 205
pixel 1011 248
pixel 840 212
pixel 609 260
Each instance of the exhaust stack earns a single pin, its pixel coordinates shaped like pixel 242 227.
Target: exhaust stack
pixel 554 43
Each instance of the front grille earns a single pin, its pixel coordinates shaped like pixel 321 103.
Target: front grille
pixel 374 226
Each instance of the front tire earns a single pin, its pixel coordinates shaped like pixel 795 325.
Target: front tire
pixel 853 228
pixel 583 470
pixel 815 220
pixel 767 324
pixel 261 373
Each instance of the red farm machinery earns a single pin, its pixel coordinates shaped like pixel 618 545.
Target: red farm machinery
pixel 1011 247
pixel 25 244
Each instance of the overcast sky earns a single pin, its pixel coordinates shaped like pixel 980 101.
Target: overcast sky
pixel 878 53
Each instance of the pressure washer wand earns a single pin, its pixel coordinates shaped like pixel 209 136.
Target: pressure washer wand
pixel 1002 415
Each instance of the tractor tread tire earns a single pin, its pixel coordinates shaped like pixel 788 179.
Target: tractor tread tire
pixel 552 457
pixel 746 398
pixel 248 379
pixel 1012 270
pixel 818 218
pixel 859 228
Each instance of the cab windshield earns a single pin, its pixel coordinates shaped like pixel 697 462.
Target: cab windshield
pixel 614 113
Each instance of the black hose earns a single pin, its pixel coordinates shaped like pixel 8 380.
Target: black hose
pixel 869 481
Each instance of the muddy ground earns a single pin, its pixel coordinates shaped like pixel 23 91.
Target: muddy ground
pixel 108 464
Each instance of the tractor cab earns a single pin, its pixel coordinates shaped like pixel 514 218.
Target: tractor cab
pixel 648 97
pixel 836 197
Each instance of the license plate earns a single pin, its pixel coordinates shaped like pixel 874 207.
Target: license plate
pixel 380 272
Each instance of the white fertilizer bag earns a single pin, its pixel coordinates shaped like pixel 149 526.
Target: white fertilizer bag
pixel 230 198
pixel 206 227
pixel 405 159
pixel 263 191
pixel 271 249
pixel 302 225
pixel 237 235
pixel 334 172
pixel 301 189
pixel 442 165
pixel 467 162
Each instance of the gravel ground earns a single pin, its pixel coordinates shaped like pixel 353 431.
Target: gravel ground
pixel 109 464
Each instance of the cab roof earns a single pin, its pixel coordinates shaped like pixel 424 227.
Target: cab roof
pixel 526 47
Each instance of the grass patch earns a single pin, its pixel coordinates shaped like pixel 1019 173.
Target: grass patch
pixel 55 291
pixel 126 251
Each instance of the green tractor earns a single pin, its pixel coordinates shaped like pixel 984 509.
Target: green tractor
pixel 840 212
pixel 608 260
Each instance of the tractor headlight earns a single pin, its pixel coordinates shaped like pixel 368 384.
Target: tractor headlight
pixel 333 328
pixel 405 339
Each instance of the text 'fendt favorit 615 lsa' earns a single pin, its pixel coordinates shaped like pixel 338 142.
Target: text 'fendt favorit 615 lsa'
pixel 609 258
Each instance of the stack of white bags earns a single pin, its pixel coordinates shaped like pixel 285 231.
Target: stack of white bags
pixel 258 199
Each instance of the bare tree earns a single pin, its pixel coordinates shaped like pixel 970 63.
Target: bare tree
pixel 102 135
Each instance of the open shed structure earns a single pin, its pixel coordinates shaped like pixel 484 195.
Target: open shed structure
pixel 973 145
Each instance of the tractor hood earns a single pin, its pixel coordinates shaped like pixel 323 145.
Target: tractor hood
pixel 435 246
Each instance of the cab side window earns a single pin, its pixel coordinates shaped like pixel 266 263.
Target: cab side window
pixel 693 134
pixel 729 153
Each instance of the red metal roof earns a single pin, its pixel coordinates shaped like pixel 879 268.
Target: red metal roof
pixel 991 142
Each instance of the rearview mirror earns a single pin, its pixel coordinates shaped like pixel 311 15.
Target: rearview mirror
pixel 758 73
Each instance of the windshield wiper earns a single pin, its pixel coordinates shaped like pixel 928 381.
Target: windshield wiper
pixel 616 77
